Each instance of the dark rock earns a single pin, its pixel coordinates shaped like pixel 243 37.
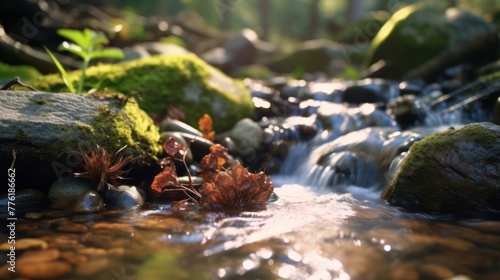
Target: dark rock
pixel 178 126
pixel 496 112
pixel 370 91
pixel 27 200
pixel 44 128
pixel 405 111
pixel 66 189
pixel 455 171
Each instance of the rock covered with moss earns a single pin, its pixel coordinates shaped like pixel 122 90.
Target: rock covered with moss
pixel 455 171
pixel 184 81
pixel 419 32
pixel 44 127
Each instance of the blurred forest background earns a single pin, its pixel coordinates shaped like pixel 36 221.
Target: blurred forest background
pixel 280 21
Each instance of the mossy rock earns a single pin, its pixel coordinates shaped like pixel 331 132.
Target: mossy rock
pixel 364 29
pixel 184 81
pixel 419 32
pixel 455 171
pixel 43 128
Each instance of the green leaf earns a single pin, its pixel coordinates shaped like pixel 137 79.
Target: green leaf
pixel 81 38
pixel 64 74
pixel 111 53
pixel 74 49
pixel 98 38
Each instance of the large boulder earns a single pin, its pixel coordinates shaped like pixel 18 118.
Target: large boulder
pixel 417 33
pixel 318 56
pixel 184 81
pixel 455 171
pixel 44 127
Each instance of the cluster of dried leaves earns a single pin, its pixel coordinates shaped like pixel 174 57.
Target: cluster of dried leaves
pixel 101 167
pixel 220 189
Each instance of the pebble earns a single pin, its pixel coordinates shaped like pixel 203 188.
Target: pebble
pixel 25 244
pixel 73 258
pixel 435 271
pixel 405 271
pixel 426 241
pixel 40 256
pixel 72 228
pixel 111 227
pixel 92 267
pixel 33 215
pixel 43 270
pixel 92 252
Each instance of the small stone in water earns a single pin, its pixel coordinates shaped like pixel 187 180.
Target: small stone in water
pixel 33 215
pixel 72 228
pixel 88 202
pixel 40 256
pixel 43 270
pixel 25 244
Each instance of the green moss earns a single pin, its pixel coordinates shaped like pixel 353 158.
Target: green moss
pixel 26 73
pixel 183 81
pixel 420 39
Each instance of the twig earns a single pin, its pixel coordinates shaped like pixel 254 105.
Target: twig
pixel 17 81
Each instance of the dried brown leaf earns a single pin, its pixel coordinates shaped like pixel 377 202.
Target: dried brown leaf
pixel 213 162
pixel 236 188
pixel 205 124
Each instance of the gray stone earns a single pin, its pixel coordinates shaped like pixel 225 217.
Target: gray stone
pixel 87 202
pixel 67 188
pixel 123 197
pixel 44 127
pixel 248 135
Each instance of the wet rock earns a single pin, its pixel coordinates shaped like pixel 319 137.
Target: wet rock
pixel 170 125
pixel 40 255
pixel 424 31
pixel 123 197
pixel 66 189
pixel 44 127
pixel 43 270
pixel 405 111
pixel 25 244
pixel 454 171
pixel 370 91
pixel 87 202
pixel 184 80
pixel 248 135
pixel 72 228
pixel 26 200
pixel 92 267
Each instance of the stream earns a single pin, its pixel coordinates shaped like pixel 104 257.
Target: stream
pixel 327 221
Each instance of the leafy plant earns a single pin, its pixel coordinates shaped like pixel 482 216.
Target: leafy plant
pixel 88 45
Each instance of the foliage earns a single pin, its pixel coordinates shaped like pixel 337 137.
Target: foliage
pixel 88 45
pixel 205 124
pixel 221 189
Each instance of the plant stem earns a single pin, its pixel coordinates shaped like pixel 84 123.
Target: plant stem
pixel 86 62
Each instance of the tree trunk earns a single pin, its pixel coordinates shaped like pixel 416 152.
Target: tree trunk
pixel 354 10
pixel 312 28
pixel 264 10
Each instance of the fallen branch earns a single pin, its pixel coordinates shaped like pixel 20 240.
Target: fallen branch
pixel 435 66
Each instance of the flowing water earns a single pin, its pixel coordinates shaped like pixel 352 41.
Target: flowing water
pixel 328 222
